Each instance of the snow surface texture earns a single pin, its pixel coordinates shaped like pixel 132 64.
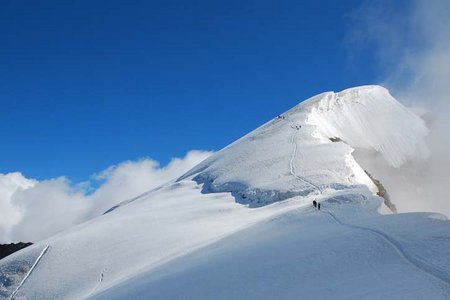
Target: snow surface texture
pixel 193 239
pixel 254 167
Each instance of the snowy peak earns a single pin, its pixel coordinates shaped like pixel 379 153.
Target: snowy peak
pixel 295 154
pixel 369 117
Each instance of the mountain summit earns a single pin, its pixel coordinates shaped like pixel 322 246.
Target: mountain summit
pixel 241 225
pixel 295 154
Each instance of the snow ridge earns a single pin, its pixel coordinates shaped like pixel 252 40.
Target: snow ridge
pixel 328 127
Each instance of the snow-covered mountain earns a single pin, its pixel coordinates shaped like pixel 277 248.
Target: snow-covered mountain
pixel 240 225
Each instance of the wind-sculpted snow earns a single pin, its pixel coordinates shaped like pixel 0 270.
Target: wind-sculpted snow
pixel 370 118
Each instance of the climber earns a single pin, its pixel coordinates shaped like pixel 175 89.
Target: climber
pixel 318 205
pixel 315 203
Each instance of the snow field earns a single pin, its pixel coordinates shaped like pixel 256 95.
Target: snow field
pixel 240 224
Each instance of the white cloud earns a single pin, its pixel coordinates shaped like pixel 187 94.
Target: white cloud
pixel 10 184
pixel 46 208
pixel 32 210
pixel 411 44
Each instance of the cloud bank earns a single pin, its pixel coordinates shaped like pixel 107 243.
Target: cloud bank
pixel 32 210
pixel 410 42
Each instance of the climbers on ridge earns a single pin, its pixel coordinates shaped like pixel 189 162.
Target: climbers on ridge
pixel 316 204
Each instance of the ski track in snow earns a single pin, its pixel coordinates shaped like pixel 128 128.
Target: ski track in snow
pixel 294 155
pixel 99 282
pixel 14 293
pixel 415 262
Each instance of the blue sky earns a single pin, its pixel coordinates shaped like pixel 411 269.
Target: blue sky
pixel 88 84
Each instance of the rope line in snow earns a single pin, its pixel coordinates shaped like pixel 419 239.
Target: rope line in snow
pixel 14 293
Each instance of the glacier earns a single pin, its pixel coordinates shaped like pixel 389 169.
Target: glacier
pixel 240 225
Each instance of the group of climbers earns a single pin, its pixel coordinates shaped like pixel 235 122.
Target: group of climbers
pixel 316 204
pixel 293 126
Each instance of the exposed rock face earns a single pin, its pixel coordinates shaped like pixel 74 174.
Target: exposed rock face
pixel 383 193
pixel 336 139
pixel 8 249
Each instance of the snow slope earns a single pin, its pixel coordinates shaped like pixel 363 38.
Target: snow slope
pixel 307 254
pixel 240 225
